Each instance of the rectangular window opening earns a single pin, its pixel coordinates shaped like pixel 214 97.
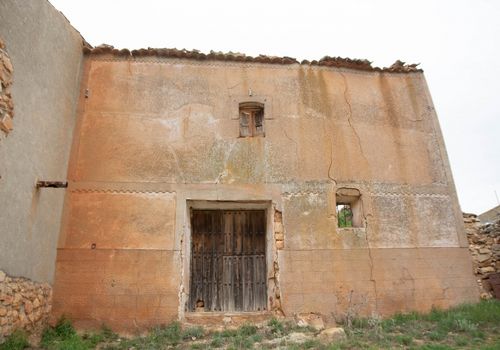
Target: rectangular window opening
pixel 349 208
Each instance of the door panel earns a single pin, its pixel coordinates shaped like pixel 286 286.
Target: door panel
pixel 228 260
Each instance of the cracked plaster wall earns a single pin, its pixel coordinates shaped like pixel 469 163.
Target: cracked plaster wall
pixel 155 133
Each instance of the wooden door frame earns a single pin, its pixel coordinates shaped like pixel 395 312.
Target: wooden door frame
pixel 228 205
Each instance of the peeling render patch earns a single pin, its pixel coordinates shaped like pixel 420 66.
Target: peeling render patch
pixel 279 237
pixel 6 104
pixel 182 295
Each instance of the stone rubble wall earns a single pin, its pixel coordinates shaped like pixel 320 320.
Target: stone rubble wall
pixel 6 104
pixel 24 304
pixel 484 245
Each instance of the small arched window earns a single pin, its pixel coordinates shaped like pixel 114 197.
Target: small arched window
pixel 251 119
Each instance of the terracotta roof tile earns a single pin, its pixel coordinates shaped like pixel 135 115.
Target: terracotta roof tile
pixel 365 65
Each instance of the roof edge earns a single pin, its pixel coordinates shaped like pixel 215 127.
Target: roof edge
pixel 339 62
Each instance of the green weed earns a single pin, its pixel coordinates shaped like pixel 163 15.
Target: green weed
pixel 217 341
pixel 16 341
pixel 435 347
pixel 64 337
pixel 474 326
pixel 193 332
pixel 276 327
pixel 247 330
pixel 404 339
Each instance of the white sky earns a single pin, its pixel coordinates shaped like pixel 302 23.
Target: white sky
pixel 457 43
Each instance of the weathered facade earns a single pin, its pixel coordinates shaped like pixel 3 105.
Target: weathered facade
pixel 202 186
pixel 160 142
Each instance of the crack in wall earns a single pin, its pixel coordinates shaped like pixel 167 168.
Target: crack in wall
pixel 349 117
pixel 233 86
pixel 294 142
pixel 372 279
pixel 331 155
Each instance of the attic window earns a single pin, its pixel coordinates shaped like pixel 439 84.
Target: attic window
pixel 349 208
pixel 251 119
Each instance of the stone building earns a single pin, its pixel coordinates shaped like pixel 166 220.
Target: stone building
pixel 491 215
pixel 206 185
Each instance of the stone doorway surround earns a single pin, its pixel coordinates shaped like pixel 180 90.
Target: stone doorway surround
pixel 271 259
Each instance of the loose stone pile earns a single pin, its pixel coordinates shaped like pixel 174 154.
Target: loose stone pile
pixel 24 304
pixel 484 245
pixel 6 104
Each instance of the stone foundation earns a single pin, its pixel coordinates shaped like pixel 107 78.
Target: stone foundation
pixel 484 245
pixel 24 304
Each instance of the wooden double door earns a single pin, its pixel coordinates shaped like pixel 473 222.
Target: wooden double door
pixel 228 260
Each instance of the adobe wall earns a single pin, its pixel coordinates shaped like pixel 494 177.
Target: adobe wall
pixel 155 133
pixel 45 55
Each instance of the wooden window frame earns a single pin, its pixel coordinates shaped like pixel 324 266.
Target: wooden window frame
pixel 253 112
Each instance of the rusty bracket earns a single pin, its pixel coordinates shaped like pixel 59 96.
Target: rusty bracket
pixel 52 184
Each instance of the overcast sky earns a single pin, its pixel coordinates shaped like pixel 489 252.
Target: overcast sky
pixel 456 42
